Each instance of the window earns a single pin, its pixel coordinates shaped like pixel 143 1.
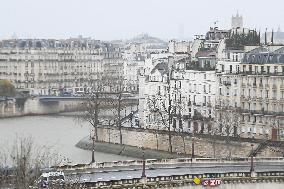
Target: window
pixel 254 130
pixel 274 94
pixel 250 68
pixel 249 129
pixel 275 69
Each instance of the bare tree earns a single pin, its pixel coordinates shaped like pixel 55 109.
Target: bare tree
pixel 95 101
pixel 119 92
pixel 163 115
pixel 227 124
pixel 27 161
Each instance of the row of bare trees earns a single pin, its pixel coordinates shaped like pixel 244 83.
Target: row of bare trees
pixel 166 110
pixel 105 97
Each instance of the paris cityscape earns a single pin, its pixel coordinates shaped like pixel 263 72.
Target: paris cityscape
pixel 118 94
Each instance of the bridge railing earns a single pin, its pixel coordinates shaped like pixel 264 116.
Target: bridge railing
pixel 164 162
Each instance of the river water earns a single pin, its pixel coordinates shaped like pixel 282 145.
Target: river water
pixel 59 132
pixel 63 132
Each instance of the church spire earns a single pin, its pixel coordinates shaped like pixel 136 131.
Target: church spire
pixel 272 37
pixel 265 37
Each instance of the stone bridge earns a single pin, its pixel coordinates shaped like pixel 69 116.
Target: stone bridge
pixel 46 105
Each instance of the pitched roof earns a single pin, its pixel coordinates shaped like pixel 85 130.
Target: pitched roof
pixel 161 67
pixel 205 54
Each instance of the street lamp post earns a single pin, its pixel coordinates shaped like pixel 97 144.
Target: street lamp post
pixel 192 149
pixel 251 160
pixel 143 164
pixel 93 150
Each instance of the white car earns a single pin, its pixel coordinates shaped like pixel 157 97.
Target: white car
pixel 50 178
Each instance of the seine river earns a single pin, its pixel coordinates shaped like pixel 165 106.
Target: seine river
pixel 62 133
pixel 59 132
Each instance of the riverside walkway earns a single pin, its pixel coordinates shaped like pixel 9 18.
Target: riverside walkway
pixel 174 172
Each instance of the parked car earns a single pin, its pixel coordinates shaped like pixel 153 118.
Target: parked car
pixel 67 94
pixel 50 179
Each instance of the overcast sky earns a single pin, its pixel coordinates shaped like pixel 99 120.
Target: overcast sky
pixel 121 19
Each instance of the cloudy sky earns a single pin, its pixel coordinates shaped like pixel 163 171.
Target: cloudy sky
pixel 121 19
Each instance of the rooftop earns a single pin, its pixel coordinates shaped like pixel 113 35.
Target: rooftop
pixel 263 58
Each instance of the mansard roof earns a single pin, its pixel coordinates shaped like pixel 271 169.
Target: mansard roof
pixel 263 58
pixel 206 54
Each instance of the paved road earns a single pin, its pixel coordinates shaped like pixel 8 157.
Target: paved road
pixel 172 170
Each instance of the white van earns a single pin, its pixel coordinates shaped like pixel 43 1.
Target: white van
pixel 50 179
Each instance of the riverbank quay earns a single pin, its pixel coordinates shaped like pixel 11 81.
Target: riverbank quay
pixel 185 180
pixel 126 150
pixel 183 143
pixel 174 163
pixel 174 172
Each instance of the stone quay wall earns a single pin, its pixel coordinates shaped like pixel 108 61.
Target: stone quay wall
pixel 204 146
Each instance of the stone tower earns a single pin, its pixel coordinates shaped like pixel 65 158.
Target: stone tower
pixel 237 21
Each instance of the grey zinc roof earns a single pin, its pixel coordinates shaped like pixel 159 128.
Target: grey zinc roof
pixel 263 58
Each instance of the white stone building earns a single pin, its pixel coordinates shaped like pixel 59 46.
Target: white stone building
pixel 250 93
pixel 178 46
pixel 49 71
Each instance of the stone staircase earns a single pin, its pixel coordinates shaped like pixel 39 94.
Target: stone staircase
pixel 259 149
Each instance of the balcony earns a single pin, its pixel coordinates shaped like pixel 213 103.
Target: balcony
pixel 262 112
pixel 266 86
pixel 227 83
pixel 261 73
pixel 282 87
